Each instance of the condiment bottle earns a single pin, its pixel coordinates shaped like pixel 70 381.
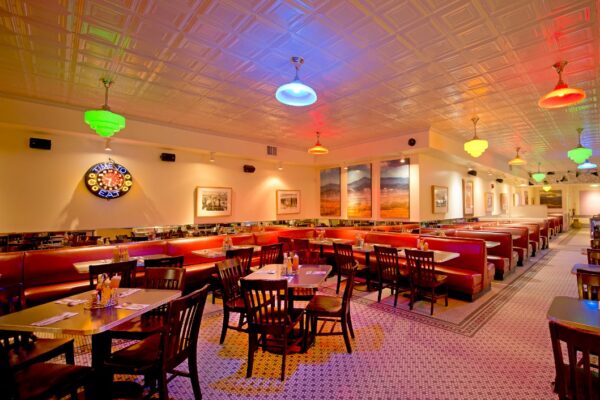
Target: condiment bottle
pixel 425 246
pixel 295 262
pixel 285 263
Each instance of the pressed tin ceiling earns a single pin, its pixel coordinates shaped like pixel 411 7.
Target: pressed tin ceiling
pixel 380 68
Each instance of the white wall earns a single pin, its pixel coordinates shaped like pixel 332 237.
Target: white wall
pixel 44 190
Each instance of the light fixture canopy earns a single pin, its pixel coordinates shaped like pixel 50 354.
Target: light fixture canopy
pixel 296 93
pixel 562 95
pixel 517 160
pixel 579 154
pixel 475 147
pixel 587 165
pixel 318 149
pixel 538 176
pixel 105 122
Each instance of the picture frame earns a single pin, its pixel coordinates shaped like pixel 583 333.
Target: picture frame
pixel 489 203
pixel 503 202
pixel 330 192
pixel 359 191
pixel 394 189
pixel 288 201
pixel 439 199
pixel 468 207
pixel 213 201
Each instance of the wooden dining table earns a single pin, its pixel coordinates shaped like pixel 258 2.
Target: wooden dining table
pixel 585 267
pixel 88 322
pixel 218 252
pixel 83 267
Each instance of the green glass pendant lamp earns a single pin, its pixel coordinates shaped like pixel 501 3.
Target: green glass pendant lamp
pixel 538 176
pixel 105 122
pixel 579 154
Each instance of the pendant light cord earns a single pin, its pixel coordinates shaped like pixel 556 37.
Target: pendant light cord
pixel 106 82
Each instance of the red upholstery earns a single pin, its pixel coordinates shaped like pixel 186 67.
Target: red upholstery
pixel 344 233
pixel 11 268
pixel 534 235
pixel 264 238
pixel 239 240
pixel 393 239
pixel 521 244
pixel 298 232
pixel 136 249
pixel 470 273
pixel 184 247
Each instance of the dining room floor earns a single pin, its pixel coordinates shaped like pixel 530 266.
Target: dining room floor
pixel 508 356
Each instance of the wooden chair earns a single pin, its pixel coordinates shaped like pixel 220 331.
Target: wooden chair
pixel 139 328
pixel 389 272
pixel 161 353
pixel 344 261
pixel 593 256
pixel 271 254
pixel 24 348
pixel 230 273
pixel 576 377
pixel 423 278
pixel 124 269
pixel 244 255
pixel 288 243
pixel 333 309
pixel 588 285
pixel 595 244
pixel 268 316
pixel 3 243
pixel 171 262
pixel 596 234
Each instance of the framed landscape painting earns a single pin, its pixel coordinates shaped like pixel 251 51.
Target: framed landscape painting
pixel 359 191
pixel 288 201
pixel 330 192
pixel 489 202
pixel 394 189
pixel 551 198
pixel 469 208
pixel 213 201
pixel 439 196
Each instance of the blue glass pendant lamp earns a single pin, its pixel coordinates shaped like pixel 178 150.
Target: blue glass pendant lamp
pixel 296 93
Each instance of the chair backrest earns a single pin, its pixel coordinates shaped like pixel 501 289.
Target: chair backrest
pixel 11 298
pixel 271 254
pixel 288 243
pixel 595 243
pixel 244 255
pixel 576 377
pixel 230 273
pixel 169 278
pixel 347 295
pixel 266 304
pixel 388 265
pixel 180 337
pixel 124 269
pixel 588 284
pixel 344 257
pixel 173 262
pixel 300 244
pixel 593 256
pixel 421 265
pixel 596 234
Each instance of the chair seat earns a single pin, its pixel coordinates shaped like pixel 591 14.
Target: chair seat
pixel 48 378
pixel 139 357
pixel 30 353
pixel 145 325
pixel 237 305
pixel 324 305
pixel 439 280
pixel 303 293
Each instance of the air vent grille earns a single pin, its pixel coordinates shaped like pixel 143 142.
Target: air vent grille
pixel 271 150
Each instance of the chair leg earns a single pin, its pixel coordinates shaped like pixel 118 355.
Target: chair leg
pixel 446 295
pixel 345 333
pixel 432 298
pixel 380 289
pixel 412 298
pixel 349 318
pixel 397 290
pixel 193 366
pixel 313 328
pixel 251 348
pixel 163 393
pixel 70 354
pixel 225 324
pixel 283 357
pixel 337 289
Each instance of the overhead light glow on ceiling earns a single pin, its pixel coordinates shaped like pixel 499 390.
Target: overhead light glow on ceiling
pixel 296 93
pixel 475 147
pixel 562 95
pixel 105 122
pixel 579 154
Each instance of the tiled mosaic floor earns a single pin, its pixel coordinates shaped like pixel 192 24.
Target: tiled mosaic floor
pixel 499 350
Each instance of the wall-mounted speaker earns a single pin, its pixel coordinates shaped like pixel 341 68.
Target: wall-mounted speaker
pixel 169 157
pixel 412 142
pixel 42 144
pixel 472 172
pixel 499 180
pixel 249 169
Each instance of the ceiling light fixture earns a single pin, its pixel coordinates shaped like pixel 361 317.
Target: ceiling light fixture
pixel 280 166
pixel 587 165
pixel 107 145
pixel 547 187
pixel 538 176
pixel 105 122
pixel 317 149
pixel 296 93
pixel 517 160
pixel 475 147
pixel 211 156
pixel 562 95
pixel 579 154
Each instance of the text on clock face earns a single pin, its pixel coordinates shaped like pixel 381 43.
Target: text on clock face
pixel 108 180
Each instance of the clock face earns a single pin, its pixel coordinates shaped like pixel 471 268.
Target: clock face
pixel 108 180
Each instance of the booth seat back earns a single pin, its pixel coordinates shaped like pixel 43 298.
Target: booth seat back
pixel 244 239
pixel 534 230
pixel 396 228
pixel 136 249
pixel 11 268
pixel 523 232
pixel 393 239
pixel 505 249
pixel 264 238
pixel 344 233
pixel 437 231
pixel 44 267
pixel 184 247
pixel 298 233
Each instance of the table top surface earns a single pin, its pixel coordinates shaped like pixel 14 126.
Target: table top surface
pixel 582 314
pixel 83 267
pixel 86 322
pixel 491 244
pixel 586 267
pixel 218 252
pixel 308 276
pixel 329 241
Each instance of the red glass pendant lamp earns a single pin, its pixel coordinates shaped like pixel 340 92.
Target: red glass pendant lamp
pixel 562 95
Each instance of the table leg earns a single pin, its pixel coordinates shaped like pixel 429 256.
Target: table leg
pixel 101 343
pixel 368 265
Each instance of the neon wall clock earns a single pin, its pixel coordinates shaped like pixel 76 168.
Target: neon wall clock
pixel 108 180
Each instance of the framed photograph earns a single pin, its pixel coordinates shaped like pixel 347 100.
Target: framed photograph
pixel 525 197
pixel 359 191
pixel 516 200
pixel 489 202
pixel 330 192
pixel 468 198
pixel 503 202
pixel 552 198
pixel 439 197
pixel 213 201
pixel 288 201
pixel 394 189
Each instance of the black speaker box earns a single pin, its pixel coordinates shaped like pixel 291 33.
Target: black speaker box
pixel 42 144
pixel 249 169
pixel 499 180
pixel 170 157
pixel 472 172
